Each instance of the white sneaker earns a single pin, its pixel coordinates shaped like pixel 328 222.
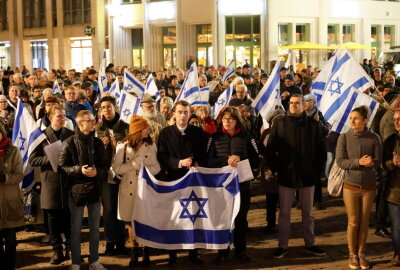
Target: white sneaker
pixel 75 267
pixel 96 266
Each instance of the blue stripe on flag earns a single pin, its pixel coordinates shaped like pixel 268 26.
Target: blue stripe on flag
pixel 182 236
pixel 372 106
pixel 336 104
pixel 233 186
pixel 193 180
pixel 121 104
pixel 149 82
pixel 199 103
pixel 191 91
pixel 318 85
pixel 339 64
pixel 32 137
pixel 28 180
pixel 17 123
pixel 135 110
pixel 135 82
pixel 346 112
pixel 267 93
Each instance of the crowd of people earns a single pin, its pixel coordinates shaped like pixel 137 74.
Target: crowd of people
pixel 101 156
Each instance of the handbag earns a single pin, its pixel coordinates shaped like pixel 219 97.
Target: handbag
pixel 85 193
pixel 336 180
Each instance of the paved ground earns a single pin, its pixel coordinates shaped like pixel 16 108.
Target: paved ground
pixel 330 229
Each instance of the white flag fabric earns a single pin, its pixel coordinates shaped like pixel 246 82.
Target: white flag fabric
pixel 269 96
pixel 102 80
pixel 132 84
pixel 128 105
pixel 115 91
pixel 26 137
pixel 190 90
pixel 222 101
pixel 56 88
pixel 289 58
pixel 151 87
pixel 318 86
pixel 195 211
pixel 347 75
pixel 230 70
pixel 204 97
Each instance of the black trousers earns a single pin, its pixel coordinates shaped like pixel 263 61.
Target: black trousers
pixel 318 191
pixel 8 249
pixel 59 221
pixel 241 225
pixel 271 206
pixel 381 205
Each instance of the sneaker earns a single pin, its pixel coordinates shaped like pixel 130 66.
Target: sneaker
pixel 280 253
pixel 364 264
pixel 315 250
pixel 75 267
pixel 353 262
pixel 96 266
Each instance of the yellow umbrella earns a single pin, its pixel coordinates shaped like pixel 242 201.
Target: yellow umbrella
pixel 354 46
pixel 305 46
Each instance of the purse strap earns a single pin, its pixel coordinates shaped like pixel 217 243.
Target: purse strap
pixel 126 146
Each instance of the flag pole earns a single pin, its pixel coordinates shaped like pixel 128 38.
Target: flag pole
pixel 385 103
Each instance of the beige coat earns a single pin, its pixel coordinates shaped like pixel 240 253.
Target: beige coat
pixel 129 172
pixel 11 210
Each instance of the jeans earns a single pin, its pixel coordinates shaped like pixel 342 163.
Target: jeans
pixel 358 204
pixel 76 226
pixel 286 196
pixel 59 221
pixel 114 229
pixel 8 249
pixel 394 211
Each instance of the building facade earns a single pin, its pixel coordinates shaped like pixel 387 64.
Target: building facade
pixel 51 33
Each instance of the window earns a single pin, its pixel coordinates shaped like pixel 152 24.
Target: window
pixel 204 44
pixel 81 53
pixel 332 34
pixel 243 39
pixel 302 32
pixel 39 51
pixel 348 33
pixel 3 15
pixel 388 36
pixel 169 46
pixel 4 54
pixel 137 47
pixel 131 1
pixel 34 13
pixel 76 12
pixel 284 31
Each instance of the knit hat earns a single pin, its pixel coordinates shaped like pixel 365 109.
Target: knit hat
pixel 273 115
pixel 289 77
pixel 137 124
pixel 310 97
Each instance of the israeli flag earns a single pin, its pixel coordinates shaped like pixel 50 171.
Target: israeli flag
pixel 195 211
pixel 132 84
pixel 115 91
pixel 222 102
pixel 289 58
pixel 204 97
pixel 102 80
pixel 269 97
pixel 190 90
pixel 151 87
pixel 26 137
pixel 229 71
pixel 346 76
pixel 318 86
pixel 128 105
pixel 56 88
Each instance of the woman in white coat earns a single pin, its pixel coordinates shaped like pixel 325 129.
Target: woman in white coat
pixel 135 149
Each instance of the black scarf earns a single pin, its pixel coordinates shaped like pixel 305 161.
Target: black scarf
pixel 110 123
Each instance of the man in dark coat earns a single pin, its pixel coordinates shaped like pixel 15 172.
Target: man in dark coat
pixel 288 89
pixel 179 147
pixel 54 194
pixel 295 150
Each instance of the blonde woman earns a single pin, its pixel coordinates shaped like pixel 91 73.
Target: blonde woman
pixel 135 149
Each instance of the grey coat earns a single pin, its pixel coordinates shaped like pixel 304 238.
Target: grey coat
pixel 350 148
pixel 54 194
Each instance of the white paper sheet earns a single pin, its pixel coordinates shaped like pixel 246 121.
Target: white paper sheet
pixel 53 151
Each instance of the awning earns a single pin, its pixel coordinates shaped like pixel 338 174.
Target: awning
pixel 306 46
pixel 354 46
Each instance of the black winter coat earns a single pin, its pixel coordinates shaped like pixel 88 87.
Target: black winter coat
pixel 296 150
pixel 54 193
pixel 173 146
pixel 80 150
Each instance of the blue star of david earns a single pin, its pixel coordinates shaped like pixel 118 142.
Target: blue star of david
pixel 128 87
pixel 221 102
pixel 277 94
pixel 22 141
pixel 338 86
pixel 127 112
pixel 200 213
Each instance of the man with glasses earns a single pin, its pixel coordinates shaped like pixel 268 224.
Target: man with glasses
pixel 295 150
pixel 82 162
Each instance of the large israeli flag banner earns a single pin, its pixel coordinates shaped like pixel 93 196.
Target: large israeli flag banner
pixel 230 70
pixel 129 105
pixel 132 84
pixel 222 101
pixel 269 96
pixel 196 211
pixel 115 91
pixel 346 77
pixel 26 137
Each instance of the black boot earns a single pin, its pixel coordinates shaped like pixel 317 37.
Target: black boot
pixel 146 256
pixel 134 257
pixel 58 257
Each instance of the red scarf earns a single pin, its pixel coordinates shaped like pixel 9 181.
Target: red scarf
pixel 231 135
pixel 3 144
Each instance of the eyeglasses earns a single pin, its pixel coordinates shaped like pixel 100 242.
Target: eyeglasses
pixel 228 119
pixel 396 119
pixel 89 121
pixel 294 103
